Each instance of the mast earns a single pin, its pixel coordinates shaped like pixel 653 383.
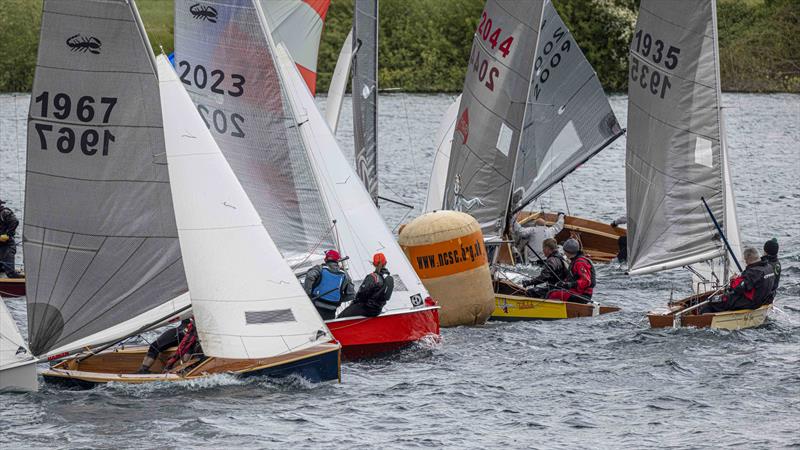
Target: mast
pixel 365 93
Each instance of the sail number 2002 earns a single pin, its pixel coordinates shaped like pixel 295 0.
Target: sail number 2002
pixel 89 140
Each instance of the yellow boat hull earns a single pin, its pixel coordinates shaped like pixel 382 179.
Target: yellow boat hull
pixel 515 308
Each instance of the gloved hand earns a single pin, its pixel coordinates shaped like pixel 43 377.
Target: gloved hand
pixel 566 284
pixel 529 282
pixel 613 224
pixel 4 238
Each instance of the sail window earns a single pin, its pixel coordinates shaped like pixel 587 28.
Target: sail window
pixel 504 138
pixel 702 152
pixel 567 142
pixel 274 316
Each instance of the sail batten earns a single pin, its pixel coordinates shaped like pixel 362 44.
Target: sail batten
pixel 675 155
pixel 101 244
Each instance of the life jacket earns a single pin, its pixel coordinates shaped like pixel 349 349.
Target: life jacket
pixel 184 347
pixel 329 288
pixel 593 275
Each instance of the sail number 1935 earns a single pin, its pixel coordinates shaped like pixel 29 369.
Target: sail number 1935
pixel 654 53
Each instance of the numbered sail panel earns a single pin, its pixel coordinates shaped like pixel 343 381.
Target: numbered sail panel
pixel 248 304
pixel 100 239
pixel 365 93
pixel 225 63
pixel 568 117
pixel 673 148
pixel 490 117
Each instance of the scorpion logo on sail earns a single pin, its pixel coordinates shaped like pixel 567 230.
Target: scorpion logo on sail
pixel 84 44
pixel 204 12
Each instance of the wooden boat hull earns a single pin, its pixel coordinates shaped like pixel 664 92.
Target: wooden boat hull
pixel 316 364
pixel 364 337
pixel 513 308
pixel 599 239
pixel 12 287
pixel 727 320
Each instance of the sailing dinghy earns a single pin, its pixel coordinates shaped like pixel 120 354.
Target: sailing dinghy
pixel 677 164
pixel 101 230
pixel 308 196
pixel 528 116
pixel 566 120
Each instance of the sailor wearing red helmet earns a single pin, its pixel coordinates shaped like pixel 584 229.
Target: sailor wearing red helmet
pixel 329 286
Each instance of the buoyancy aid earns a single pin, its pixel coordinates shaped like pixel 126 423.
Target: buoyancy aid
pixel 329 288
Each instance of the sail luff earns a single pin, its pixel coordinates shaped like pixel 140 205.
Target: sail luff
pixel 365 93
pixel 338 86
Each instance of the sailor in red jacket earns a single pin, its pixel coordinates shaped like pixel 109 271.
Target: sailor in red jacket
pixel 579 288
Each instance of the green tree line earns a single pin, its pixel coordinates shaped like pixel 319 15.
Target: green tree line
pixel 425 44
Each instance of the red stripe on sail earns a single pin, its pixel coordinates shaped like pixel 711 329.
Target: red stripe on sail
pixel 309 77
pixel 320 6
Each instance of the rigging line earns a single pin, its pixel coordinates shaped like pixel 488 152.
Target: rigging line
pixel 566 202
pixel 315 247
pixel 411 143
pixel 16 134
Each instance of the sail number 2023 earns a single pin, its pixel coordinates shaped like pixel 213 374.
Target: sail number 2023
pixel 201 78
pixel 90 140
pixel 655 50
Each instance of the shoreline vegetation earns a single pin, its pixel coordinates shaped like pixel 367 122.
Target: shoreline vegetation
pixel 425 44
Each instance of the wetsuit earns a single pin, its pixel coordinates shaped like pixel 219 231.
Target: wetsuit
pixel 328 286
pixel 372 295
pixel 749 290
pixel 8 249
pixel 580 287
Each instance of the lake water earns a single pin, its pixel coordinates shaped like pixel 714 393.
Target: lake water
pixel 603 382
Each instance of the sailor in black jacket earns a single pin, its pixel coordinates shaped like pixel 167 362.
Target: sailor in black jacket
pixel 749 290
pixel 771 256
pixel 374 292
pixel 554 270
pixel 8 247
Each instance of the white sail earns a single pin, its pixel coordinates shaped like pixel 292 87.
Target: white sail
pixel 17 364
pixel 247 303
pixel 441 160
pixel 360 227
pixel 333 106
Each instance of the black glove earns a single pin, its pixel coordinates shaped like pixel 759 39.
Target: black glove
pixel 529 282
pixel 566 284
pixel 613 224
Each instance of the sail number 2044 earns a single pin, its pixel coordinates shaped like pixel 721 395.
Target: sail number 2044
pixel 487 72
pixel 645 70
pixel 89 140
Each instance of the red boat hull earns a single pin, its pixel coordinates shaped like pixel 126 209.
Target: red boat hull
pixel 363 337
pixel 12 287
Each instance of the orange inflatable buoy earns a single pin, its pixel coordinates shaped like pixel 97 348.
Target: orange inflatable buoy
pixel 446 250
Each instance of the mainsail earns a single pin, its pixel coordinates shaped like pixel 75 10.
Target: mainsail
pixel 360 227
pixel 365 93
pixel 229 71
pixel 568 118
pixel 491 115
pixel 101 245
pixel 298 24
pixel 248 304
pixel 675 150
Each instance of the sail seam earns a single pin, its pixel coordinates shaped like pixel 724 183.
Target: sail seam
pixel 41 66
pixel 95 180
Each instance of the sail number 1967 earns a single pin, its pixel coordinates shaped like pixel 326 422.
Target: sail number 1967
pixel 86 108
